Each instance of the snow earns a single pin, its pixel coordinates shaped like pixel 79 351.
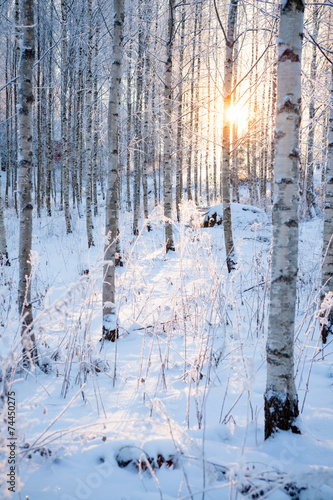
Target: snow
pixel 185 380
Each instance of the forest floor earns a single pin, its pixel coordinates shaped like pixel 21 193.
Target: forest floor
pixel 174 408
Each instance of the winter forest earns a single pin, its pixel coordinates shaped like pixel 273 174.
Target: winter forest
pixel 166 254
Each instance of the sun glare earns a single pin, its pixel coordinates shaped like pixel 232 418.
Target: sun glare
pixel 237 114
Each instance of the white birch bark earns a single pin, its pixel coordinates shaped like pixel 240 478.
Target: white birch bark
pixel 191 124
pixel 137 127
pixel 327 270
pixel 89 136
pixel 311 204
pixel 169 243
pixel 25 166
pixel 145 114
pixel 228 72
pixel 281 401
pixel 64 118
pixel 179 171
pixel 3 242
pixel 110 329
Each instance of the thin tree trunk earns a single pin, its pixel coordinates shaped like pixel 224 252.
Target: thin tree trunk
pixel 327 270
pixel 191 124
pixel 228 72
pixel 96 122
pixel 197 109
pixel 49 122
pixel 110 328
pixel 311 204
pixel 25 165
pixel 169 243
pixel 64 127
pixel 3 242
pixel 89 139
pixel 179 166
pixel 146 120
pixel 281 401
pixel 137 128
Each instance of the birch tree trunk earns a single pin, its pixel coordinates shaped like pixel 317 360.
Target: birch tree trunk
pixel 145 113
pixel 49 122
pixel 228 72
pixel 311 204
pixel 169 244
pixel 281 401
pixel 110 329
pixel 327 270
pixel 95 122
pixel 25 165
pixel 64 127
pixel 137 127
pixel 189 159
pixel 179 167
pixel 89 137
pixel 3 242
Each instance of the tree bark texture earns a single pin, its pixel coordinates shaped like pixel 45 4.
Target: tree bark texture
pixel 110 329
pixel 25 166
pixel 228 73
pixel 169 243
pixel 281 401
pixel 327 270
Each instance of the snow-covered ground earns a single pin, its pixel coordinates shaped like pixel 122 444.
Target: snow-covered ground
pixel 177 401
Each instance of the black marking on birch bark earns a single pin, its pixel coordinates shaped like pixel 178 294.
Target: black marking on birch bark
pixel 279 206
pixel 289 55
pixel 280 414
pixel 288 107
pixel 23 111
pixel 291 223
pixel 279 134
pixel 284 279
pixel 277 352
pixel 294 153
pixel 284 180
pixel 111 335
pixel 293 5
pixel 30 99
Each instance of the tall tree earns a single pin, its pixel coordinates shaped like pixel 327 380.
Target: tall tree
pixel 169 243
pixel 64 117
pixel 281 400
pixel 137 125
pixel 327 271
pixel 110 330
pixel 25 165
pixel 3 242
pixel 89 136
pixel 310 198
pixel 228 73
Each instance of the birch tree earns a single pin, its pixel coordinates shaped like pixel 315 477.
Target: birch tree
pixel 169 243
pixel 25 166
pixel 281 400
pixel 89 137
pixel 228 73
pixel 3 242
pixel 110 330
pixel 327 270
pixel 311 204
pixel 64 118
